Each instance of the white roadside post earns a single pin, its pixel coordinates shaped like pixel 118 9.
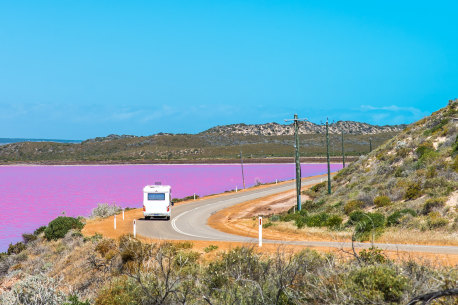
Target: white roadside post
pixel 260 231
pixel 236 188
pixel 122 214
pixel 276 181
pixel 135 228
pixel 194 196
pixel 115 222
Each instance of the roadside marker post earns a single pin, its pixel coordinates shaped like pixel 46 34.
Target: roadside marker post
pixel 236 188
pixel 194 196
pixel 115 222
pixel 276 181
pixel 260 231
pixel 135 228
pixel 122 214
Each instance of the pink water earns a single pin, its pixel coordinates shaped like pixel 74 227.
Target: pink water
pixel 31 196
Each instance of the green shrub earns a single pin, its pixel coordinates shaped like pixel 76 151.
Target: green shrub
pixel 267 224
pixel 16 248
pixel 424 148
pixel 353 205
pixel 300 222
pixel 366 223
pixel 210 248
pixel 28 237
pixel 373 255
pixel 317 220
pixel 39 230
pixel 318 187
pixel 435 221
pixel 274 218
pixel 413 191
pixel 394 218
pixel 382 201
pixel 334 222
pixel 74 300
pixel 379 281
pixel 440 127
pixel 432 204
pixel 121 291
pixel 58 227
pixel 398 172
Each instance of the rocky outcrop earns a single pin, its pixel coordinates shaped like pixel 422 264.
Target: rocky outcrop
pixel 275 129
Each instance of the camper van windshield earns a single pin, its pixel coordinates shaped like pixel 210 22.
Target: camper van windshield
pixel 156 196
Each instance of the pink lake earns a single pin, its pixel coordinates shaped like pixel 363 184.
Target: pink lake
pixel 31 196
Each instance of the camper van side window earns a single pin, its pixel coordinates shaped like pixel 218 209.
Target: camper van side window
pixel 156 196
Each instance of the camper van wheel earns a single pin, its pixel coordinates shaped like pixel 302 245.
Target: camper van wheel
pixel 147 217
pixel 168 217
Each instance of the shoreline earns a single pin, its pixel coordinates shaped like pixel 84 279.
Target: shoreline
pixel 280 160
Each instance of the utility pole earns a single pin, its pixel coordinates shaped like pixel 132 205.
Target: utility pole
pixel 241 163
pixel 343 151
pixel 327 156
pixel 370 144
pixel 297 160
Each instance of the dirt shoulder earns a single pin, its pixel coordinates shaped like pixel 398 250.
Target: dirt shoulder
pixel 241 220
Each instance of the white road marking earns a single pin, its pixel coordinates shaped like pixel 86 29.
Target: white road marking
pixel 174 225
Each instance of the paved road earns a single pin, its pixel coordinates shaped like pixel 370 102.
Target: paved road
pixel 189 222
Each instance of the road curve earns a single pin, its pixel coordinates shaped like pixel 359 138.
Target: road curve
pixel 189 222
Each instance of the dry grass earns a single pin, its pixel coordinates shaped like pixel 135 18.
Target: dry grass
pixel 406 236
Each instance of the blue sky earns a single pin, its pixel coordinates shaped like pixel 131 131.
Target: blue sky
pixel 80 69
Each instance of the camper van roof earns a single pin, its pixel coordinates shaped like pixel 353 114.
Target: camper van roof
pixel 158 188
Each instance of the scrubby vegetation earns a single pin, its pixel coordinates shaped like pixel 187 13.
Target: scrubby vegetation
pixel 81 271
pixel 409 182
pixel 59 227
pixel 105 210
pixel 186 147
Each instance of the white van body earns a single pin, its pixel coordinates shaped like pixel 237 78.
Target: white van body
pixel 157 201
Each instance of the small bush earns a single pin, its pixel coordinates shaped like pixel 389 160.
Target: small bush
pixel 105 210
pixel 432 204
pixel 105 246
pixel 373 255
pixel 58 227
pixel 16 248
pixel 121 291
pixel 380 281
pixel 34 289
pixel 318 187
pixel 394 218
pixel 424 149
pixel 334 222
pixel 317 220
pixel 300 222
pixel 435 221
pixel 28 237
pixel 353 205
pixel 274 218
pixel 210 248
pixel 366 223
pixel 39 230
pixel 382 201
pixel 413 191
pixel 74 300
pixel 267 224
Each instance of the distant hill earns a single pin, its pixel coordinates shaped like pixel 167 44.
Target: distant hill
pixel 16 140
pixel 275 129
pixel 412 178
pixel 219 143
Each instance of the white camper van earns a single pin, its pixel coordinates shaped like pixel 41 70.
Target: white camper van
pixel 157 201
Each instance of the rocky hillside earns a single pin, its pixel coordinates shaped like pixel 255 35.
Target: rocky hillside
pixel 275 129
pixel 411 181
